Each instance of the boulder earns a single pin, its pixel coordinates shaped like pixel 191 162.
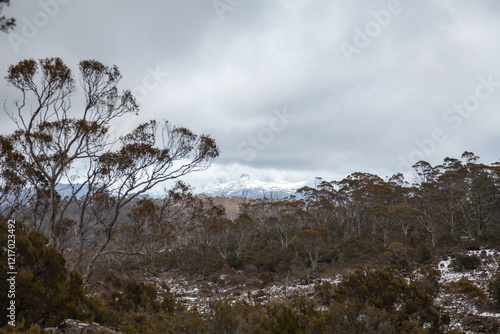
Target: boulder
pixel 71 326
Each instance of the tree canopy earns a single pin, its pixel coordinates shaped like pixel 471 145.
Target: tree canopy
pixel 64 137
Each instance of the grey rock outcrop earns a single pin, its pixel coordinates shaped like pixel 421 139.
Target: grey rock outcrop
pixel 71 326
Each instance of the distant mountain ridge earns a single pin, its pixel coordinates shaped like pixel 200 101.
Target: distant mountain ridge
pixel 247 187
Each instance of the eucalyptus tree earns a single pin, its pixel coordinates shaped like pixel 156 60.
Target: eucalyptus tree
pixel 63 137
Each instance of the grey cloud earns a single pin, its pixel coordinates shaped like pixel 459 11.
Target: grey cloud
pixel 225 77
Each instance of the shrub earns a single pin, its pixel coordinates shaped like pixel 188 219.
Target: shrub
pixel 468 262
pixel 473 245
pixel 468 289
pixel 324 292
pixel 396 256
pixel 46 292
pixel 494 290
pixel 383 300
pixel 424 254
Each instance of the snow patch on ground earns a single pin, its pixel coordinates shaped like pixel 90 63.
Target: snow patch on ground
pixel 480 276
pixel 202 293
pixel 458 308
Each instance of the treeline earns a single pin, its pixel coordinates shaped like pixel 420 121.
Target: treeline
pixel 362 219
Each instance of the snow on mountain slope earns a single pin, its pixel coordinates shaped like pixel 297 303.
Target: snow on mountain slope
pixel 249 188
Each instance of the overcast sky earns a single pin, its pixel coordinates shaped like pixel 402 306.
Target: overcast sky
pixel 290 89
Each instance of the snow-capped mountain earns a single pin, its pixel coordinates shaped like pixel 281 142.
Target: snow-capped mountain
pixel 249 188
